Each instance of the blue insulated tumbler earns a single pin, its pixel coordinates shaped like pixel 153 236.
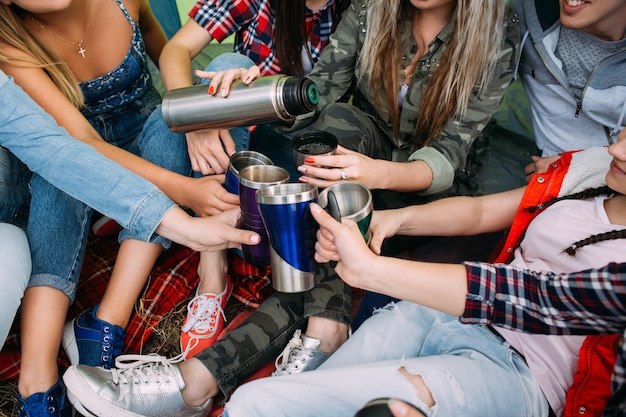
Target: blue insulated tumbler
pixel 291 230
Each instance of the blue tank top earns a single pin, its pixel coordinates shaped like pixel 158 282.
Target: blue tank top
pixel 126 83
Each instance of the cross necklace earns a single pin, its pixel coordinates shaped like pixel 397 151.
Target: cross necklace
pixel 81 50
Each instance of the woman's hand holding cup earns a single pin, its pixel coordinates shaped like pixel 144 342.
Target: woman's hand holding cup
pixel 343 165
pixel 341 242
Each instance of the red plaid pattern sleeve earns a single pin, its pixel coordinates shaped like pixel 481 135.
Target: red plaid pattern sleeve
pixel 586 302
pixel 253 23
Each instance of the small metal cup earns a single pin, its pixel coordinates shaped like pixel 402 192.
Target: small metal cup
pixel 313 144
pixel 238 161
pixel 291 229
pixel 251 179
pixel 354 201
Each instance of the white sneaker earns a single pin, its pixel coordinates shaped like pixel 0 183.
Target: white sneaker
pixel 140 385
pixel 301 354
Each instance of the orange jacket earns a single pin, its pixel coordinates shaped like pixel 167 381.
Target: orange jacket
pixel 591 388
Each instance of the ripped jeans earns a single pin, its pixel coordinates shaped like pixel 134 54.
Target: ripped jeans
pixel 469 371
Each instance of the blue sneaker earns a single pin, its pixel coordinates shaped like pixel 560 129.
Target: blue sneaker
pixel 90 341
pixel 52 403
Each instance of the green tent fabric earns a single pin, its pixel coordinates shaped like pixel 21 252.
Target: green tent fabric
pixel 166 12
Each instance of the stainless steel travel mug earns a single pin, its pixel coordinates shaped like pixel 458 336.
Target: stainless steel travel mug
pixel 312 144
pixel 267 99
pixel 238 161
pixel 252 179
pixel 291 230
pixel 354 201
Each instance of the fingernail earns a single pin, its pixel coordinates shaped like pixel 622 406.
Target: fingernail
pixel 310 160
pixel 223 92
pixel 251 128
pixel 315 208
pixel 246 79
pixel 302 169
pixel 398 407
pixel 211 90
pixel 303 179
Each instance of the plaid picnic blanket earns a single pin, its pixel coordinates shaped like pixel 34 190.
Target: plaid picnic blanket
pixel 173 280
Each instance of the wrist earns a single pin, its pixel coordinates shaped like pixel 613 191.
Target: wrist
pixel 180 193
pixel 384 180
pixel 173 226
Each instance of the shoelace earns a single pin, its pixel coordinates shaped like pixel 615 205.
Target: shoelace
pixel 144 368
pixel 199 313
pixel 295 350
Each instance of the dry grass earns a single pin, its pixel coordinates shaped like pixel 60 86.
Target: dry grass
pixel 8 399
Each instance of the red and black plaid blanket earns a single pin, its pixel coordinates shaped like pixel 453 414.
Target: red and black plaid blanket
pixel 173 280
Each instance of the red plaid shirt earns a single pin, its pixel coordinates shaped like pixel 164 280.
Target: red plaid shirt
pixel 253 23
pixel 587 302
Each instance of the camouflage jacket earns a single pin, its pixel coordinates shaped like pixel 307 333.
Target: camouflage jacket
pixel 337 70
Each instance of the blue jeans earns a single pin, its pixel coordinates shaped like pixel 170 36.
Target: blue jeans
pixel 14 193
pixel 469 370
pixel 58 224
pixel 14 274
pixel 34 137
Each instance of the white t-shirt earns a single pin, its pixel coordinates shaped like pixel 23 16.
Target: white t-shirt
pixel 553 360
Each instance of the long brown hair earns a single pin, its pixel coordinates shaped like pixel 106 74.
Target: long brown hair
pixel 465 69
pixel 290 33
pixel 14 33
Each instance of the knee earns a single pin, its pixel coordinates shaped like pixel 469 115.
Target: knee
pixel 16 262
pixel 15 266
pixel 346 122
pixel 229 60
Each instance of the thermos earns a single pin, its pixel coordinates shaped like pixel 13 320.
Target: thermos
pixel 267 99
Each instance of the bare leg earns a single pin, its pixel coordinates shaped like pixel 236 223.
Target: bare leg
pixel 200 385
pixel 331 333
pixel 43 314
pixel 133 265
pixel 212 271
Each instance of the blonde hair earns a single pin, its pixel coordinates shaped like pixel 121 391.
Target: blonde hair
pixel 464 71
pixel 14 33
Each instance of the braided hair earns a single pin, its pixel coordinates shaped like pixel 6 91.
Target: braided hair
pixel 600 237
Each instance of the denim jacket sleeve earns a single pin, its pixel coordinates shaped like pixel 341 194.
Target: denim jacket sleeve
pixel 77 168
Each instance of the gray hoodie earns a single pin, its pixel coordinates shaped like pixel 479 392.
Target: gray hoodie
pixel 561 122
